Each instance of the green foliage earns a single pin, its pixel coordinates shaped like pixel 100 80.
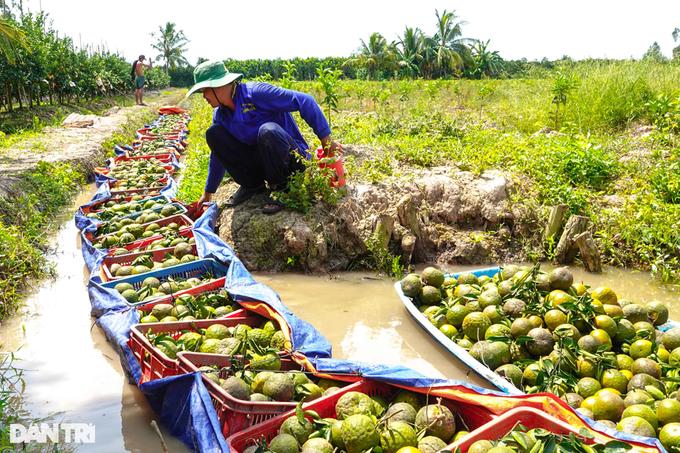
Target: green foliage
pixel 563 85
pixel 288 76
pixel 305 67
pixel 24 220
pixel 664 112
pixel 585 163
pixel 308 187
pixel 654 53
pixel 382 259
pixel 156 79
pixel 488 64
pixel 11 382
pixel 328 80
pixel 594 166
pixel 170 44
pixel 373 57
pixel 197 155
pixel 11 38
pixel 51 69
pixel 182 77
pixel 665 182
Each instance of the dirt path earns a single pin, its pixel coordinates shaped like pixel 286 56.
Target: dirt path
pixel 81 147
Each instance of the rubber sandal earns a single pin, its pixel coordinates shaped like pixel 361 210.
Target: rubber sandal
pixel 279 206
pixel 241 195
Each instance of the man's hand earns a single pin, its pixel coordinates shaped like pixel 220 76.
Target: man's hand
pixel 331 146
pixel 205 198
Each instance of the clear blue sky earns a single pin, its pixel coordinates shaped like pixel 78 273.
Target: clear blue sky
pixel 275 29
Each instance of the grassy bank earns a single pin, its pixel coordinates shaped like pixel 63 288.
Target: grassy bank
pixel 595 161
pixel 25 220
pixel 197 156
pixel 27 217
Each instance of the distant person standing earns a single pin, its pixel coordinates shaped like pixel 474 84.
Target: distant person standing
pixel 138 77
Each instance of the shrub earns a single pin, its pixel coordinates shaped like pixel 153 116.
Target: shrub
pixel 156 78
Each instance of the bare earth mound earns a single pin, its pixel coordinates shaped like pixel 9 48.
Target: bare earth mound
pixel 435 215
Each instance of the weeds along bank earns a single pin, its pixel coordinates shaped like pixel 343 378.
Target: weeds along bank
pixel 26 218
pixel 33 197
pixel 484 163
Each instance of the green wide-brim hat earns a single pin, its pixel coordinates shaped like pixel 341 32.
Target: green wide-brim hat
pixel 212 74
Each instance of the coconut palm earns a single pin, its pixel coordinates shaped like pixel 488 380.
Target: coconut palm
pixel 449 47
pixel 373 55
pixel 411 52
pixel 11 39
pixel 170 44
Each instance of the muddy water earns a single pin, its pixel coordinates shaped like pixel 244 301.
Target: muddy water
pixel 364 319
pixel 71 369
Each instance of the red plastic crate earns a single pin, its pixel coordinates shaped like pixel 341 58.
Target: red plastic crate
pixel 182 220
pixel 169 170
pixel 146 134
pixel 181 144
pixel 473 416
pixel 235 415
pixel 206 288
pixel 169 152
pixel 152 191
pixel 146 131
pixel 97 207
pixel 528 416
pixel 164 158
pixel 155 364
pixel 192 212
pixel 148 241
pixel 159 183
pixel 127 259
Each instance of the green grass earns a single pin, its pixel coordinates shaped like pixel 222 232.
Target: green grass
pixel 25 220
pixel 479 125
pixel 485 125
pixel 194 174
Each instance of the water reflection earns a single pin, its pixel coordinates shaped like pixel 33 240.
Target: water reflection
pixel 71 369
pixel 364 319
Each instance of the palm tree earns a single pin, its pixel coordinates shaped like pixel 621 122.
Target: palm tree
pixel 450 48
pixel 11 38
pixel 411 53
pixel 489 64
pixel 373 55
pixel 171 46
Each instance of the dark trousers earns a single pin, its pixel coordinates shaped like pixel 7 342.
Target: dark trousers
pixel 272 159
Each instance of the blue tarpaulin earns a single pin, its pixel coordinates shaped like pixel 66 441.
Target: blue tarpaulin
pixel 104 193
pixel 122 150
pixel 110 163
pixel 183 401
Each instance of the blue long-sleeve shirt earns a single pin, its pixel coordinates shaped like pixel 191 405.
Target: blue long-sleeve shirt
pixel 258 103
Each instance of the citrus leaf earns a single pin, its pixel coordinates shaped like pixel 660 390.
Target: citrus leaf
pixel 617 446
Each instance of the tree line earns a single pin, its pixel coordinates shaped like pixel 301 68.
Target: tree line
pixel 39 66
pixel 414 54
